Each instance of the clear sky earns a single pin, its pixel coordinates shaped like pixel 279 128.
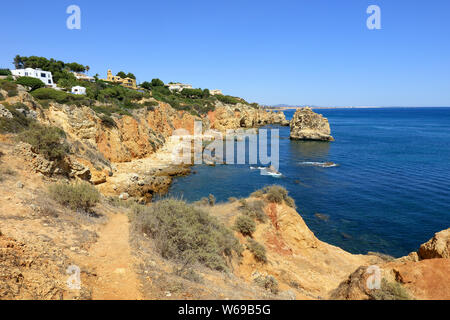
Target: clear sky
pixel 294 52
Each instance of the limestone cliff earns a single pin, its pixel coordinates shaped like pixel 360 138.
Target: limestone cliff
pixel 421 275
pixel 308 125
pixel 111 152
pixel 242 116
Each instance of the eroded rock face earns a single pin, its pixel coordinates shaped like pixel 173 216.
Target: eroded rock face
pixel 436 247
pixel 4 113
pixel 68 166
pixel 406 277
pixel 308 125
pixel 229 117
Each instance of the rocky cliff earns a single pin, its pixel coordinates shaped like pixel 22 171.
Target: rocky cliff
pixel 308 125
pixel 238 116
pixel 421 275
pixel 127 154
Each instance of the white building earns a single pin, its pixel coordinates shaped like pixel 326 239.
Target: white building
pixel 45 76
pixel 78 90
pixel 83 77
pixel 215 92
pixel 178 86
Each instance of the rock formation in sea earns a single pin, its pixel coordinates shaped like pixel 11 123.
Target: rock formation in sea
pixel 308 125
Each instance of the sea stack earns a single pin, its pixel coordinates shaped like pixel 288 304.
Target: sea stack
pixel 308 125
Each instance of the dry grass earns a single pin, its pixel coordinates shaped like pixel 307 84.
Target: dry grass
pixel 186 234
pixel 77 196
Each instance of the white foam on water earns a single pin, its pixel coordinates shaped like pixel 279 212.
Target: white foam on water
pixel 319 164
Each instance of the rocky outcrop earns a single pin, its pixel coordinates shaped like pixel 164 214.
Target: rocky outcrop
pixel 5 113
pixel 232 117
pixel 406 277
pixel 68 166
pixel 308 125
pixel 436 247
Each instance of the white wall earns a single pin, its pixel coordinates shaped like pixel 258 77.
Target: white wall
pixel 45 76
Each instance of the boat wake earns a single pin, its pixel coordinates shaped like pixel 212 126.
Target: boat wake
pixel 319 164
pixel 267 171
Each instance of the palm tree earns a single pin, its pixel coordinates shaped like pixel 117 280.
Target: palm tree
pixel 87 69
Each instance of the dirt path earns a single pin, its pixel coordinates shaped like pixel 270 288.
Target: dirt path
pixel 111 257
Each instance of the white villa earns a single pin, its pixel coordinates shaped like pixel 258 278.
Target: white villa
pixel 215 92
pixel 78 90
pixel 178 86
pixel 45 76
pixel 83 77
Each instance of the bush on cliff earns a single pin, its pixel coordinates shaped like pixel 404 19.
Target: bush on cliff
pixel 5 72
pixel 278 194
pixel 390 291
pixel 268 282
pixel 229 99
pixel 185 233
pixel 77 196
pixel 45 140
pixel 7 85
pixel 245 225
pixel 52 94
pixel 33 83
pixel 254 209
pixel 258 250
pixel 108 121
pixel 18 123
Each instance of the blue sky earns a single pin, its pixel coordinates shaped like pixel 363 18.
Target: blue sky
pixel 295 52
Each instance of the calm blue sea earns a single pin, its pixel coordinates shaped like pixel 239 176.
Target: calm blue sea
pixel 390 192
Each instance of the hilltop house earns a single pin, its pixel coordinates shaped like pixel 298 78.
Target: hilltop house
pixel 45 76
pixel 178 86
pixel 78 90
pixel 83 77
pixel 215 92
pixel 125 82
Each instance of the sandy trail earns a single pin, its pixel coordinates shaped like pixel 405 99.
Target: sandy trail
pixel 111 257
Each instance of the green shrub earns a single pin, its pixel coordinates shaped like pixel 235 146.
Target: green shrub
pixel 109 110
pixel 278 194
pixel 151 103
pixel 258 250
pixel 5 72
pixel 255 210
pixel 275 193
pixel 185 233
pixel 390 291
pixel 7 85
pixel 33 83
pixel 108 121
pixel 229 99
pixel 290 202
pixel 202 202
pixel 18 123
pixel 188 273
pixel 56 95
pixel 77 196
pixel 245 225
pixel 47 141
pixel 13 93
pixel 257 194
pixel 2 97
pixel 211 200
pixel 157 83
pixel 268 282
